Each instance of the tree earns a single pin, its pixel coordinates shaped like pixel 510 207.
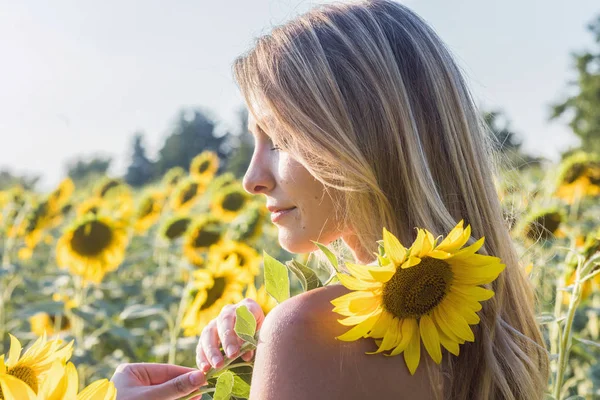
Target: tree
pixel 141 169
pixel 242 146
pixel 193 133
pixel 8 179
pixel 81 169
pixel 582 110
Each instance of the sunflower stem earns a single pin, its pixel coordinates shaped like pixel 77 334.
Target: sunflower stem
pixel 566 339
pixel 176 327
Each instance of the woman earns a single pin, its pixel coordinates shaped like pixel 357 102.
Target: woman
pixel 361 121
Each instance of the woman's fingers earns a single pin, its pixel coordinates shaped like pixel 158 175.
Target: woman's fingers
pixel 210 344
pixel 247 356
pixel 225 329
pixel 201 359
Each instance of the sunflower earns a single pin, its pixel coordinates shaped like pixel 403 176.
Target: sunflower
pixel 215 286
pixel 173 177
pixel 23 374
pixel 429 291
pixel 205 231
pixel 229 202
pixel 249 225
pixel 543 224
pixel 34 224
pixel 221 181
pixel 148 211
pixel 264 299
pixel 92 246
pixel 247 257
pixel 204 166
pixel 67 383
pixel 93 205
pixel 186 193
pixel 579 176
pixel 59 197
pixel 49 323
pixel 174 228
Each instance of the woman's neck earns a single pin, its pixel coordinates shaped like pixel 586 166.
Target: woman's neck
pixel 361 255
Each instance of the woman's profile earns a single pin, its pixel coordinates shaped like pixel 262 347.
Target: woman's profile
pixel 362 120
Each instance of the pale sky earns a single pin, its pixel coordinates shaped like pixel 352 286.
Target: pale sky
pixel 80 77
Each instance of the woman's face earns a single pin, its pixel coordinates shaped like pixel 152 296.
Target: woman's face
pixel 299 205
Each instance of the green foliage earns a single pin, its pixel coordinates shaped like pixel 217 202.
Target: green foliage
pixel 277 281
pixel 8 180
pixel 242 147
pixel 245 324
pixel 582 110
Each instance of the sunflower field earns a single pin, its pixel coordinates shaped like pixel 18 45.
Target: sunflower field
pixel 124 275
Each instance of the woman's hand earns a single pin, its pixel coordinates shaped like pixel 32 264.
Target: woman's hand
pixel 148 381
pixel 220 331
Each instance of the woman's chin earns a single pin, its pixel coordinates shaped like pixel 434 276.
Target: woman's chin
pixel 295 243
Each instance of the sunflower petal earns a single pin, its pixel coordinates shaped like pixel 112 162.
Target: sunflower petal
pixel 391 337
pixel 15 351
pixel 431 339
pixel 359 330
pixel 359 271
pixel 393 248
pixel 409 328
pixel 412 354
pixel 352 283
pixel 14 388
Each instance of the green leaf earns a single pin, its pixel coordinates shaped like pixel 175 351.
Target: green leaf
pixel 85 314
pixel 588 342
pixel 240 388
pixel 277 281
pixel 245 324
pixel 330 256
pixel 224 386
pixel 140 311
pixel 308 278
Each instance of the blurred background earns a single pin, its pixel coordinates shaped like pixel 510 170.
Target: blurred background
pixel 123 222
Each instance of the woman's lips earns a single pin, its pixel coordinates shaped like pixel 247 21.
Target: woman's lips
pixel 277 215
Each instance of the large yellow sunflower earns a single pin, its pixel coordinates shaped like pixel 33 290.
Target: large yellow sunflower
pixel 215 286
pixel 249 225
pixel 172 177
pixel 430 291
pixel 186 193
pixel 229 202
pixel 205 231
pixel 58 198
pixel 247 257
pixel 148 211
pixel 92 246
pixel 21 375
pixel 50 324
pixel 204 166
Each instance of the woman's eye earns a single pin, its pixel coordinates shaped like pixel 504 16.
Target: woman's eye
pixel 275 148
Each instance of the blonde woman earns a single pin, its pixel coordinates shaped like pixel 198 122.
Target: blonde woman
pixel 361 121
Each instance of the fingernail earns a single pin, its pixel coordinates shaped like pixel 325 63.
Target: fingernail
pixel 230 350
pixel 215 360
pixel 197 378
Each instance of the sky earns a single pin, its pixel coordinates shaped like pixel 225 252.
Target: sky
pixel 78 78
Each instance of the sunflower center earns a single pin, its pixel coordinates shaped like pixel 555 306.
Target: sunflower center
pixel 91 238
pixel 189 193
pixel 544 226
pixel 204 166
pixel 214 293
pixel 64 322
pixel 415 291
pixel 177 228
pixel 206 237
pixel 233 201
pixel 25 374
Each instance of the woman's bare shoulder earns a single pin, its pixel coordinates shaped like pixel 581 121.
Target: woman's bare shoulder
pixel 299 357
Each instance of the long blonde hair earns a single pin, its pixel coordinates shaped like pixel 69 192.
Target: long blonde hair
pixel 370 100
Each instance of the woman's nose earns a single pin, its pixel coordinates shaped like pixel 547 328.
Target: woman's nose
pixel 258 179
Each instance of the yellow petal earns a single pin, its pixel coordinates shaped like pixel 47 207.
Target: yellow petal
pixel 454 239
pixel 383 324
pixel 359 271
pixel 391 337
pixel 478 276
pixel 456 322
pixel 411 262
pixel 15 350
pixel 101 389
pixel 472 249
pixel 382 274
pixel 409 328
pixel 357 319
pixel 431 339
pixel 412 354
pixel 359 330
pixel 449 344
pixel 352 283
pixel 475 293
pixel 14 388
pixel 393 248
